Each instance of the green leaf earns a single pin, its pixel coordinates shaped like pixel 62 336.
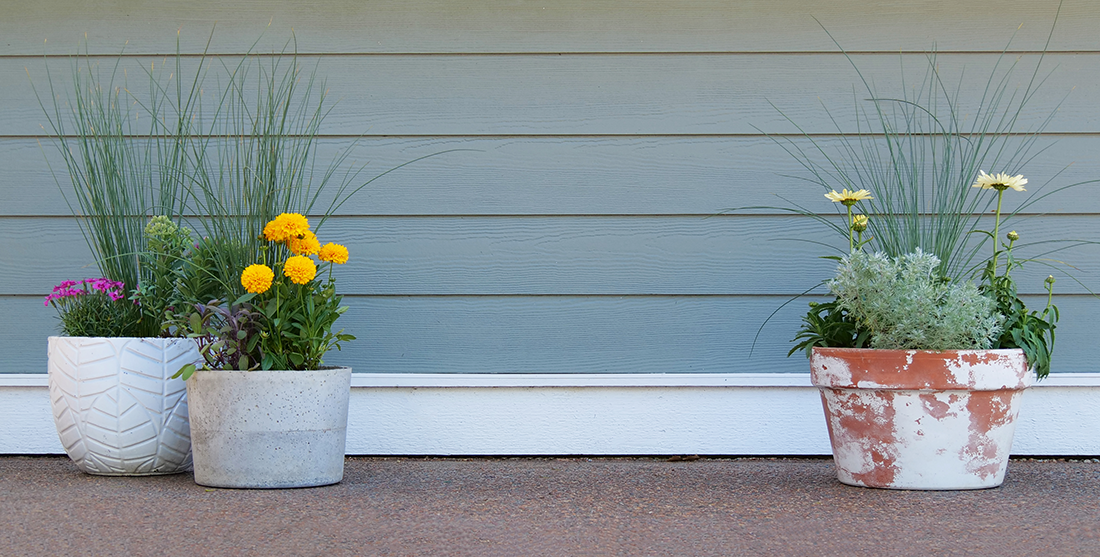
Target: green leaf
pixel 185 372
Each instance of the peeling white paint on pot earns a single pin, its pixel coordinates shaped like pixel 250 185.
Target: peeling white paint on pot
pixel 269 429
pixel 916 419
pixel 116 410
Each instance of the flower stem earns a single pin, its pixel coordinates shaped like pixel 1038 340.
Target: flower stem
pixel 1049 283
pixel 997 230
pixel 850 242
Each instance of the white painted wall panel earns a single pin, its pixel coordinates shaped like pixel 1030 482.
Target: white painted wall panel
pixel 493 415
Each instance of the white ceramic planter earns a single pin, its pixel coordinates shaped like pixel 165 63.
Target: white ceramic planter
pixel 269 429
pixel 116 410
pixel 917 419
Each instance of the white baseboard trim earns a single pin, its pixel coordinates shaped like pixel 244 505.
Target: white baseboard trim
pixel 603 414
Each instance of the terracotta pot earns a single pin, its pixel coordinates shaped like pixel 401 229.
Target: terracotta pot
pixel 918 419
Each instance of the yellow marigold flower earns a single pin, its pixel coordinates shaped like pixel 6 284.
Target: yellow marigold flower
pixel 859 223
pixel 307 244
pixel 300 269
pixel 286 226
pixel 257 278
pixel 848 198
pixel 334 253
pixel 272 233
pixel 1000 181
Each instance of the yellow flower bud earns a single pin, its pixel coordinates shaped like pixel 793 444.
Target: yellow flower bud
pixel 859 223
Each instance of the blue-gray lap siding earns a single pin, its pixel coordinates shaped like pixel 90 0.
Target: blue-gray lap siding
pixel 573 230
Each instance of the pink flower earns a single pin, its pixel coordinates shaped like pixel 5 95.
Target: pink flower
pixel 63 293
pixel 64 285
pixel 112 289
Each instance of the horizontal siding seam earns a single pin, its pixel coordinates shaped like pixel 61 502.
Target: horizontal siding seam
pixel 547 53
pixel 498 216
pixel 478 137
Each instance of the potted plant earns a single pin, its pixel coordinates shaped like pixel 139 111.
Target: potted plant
pixel 117 409
pixel 924 349
pixel 920 375
pixel 262 336
pixel 265 411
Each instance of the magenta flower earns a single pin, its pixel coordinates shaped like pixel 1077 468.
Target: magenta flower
pixel 65 285
pixel 113 289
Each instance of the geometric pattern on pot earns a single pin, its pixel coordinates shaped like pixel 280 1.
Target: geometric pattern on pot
pixel 116 409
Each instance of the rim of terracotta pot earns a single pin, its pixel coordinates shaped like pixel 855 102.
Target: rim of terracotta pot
pixel 872 368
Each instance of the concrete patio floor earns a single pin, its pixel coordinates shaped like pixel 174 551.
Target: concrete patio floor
pixel 549 506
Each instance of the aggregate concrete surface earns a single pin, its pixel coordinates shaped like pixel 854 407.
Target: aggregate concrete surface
pixel 549 506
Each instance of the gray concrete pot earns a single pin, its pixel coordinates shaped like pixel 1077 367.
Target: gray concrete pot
pixel 269 429
pixel 116 409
